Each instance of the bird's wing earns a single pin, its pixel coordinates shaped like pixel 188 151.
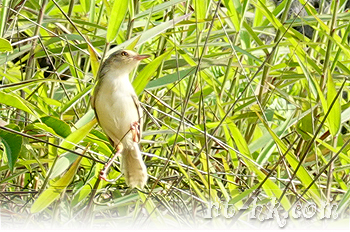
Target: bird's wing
pixel 92 98
pixel 99 79
pixel 139 111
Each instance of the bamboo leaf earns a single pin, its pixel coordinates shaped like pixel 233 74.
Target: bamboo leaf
pixel 55 190
pixel 151 33
pixel 13 100
pixel 66 159
pixel 5 46
pixel 12 143
pixel 147 72
pixel 94 61
pixel 60 127
pixel 302 173
pixel 335 112
pixel 118 13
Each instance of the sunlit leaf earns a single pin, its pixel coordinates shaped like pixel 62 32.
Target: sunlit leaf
pixel 147 73
pixel 12 143
pixel 335 112
pixel 5 46
pixel 54 191
pixel 118 13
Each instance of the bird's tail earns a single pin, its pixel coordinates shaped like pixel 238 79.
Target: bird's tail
pixel 133 167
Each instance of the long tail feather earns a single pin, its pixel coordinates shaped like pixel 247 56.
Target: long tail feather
pixel 133 167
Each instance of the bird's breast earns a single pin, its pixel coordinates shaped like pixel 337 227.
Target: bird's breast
pixel 115 107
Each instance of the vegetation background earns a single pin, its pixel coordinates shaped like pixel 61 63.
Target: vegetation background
pixel 241 108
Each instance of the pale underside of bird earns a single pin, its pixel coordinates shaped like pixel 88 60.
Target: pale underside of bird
pixel 119 114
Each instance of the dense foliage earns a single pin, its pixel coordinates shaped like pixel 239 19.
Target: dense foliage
pixel 240 107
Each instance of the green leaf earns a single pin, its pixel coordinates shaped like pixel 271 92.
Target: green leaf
pixel 269 147
pixel 200 12
pixel 88 117
pixel 270 188
pixel 12 143
pixel 304 127
pixel 78 135
pixel 55 189
pixel 170 78
pixel 243 195
pixel 60 127
pixel 129 199
pixel 151 33
pixel 157 7
pixel 238 138
pixel 3 16
pixel 264 140
pixel 147 72
pixel 67 159
pixel 85 190
pixel 232 13
pixel 302 173
pixel 63 162
pixel 41 127
pixel 5 46
pixel 118 13
pixel 94 61
pixel 190 180
pixel 68 105
pixel 335 112
pixel 13 100
pixel 236 135
pixel 52 125
pixel 108 7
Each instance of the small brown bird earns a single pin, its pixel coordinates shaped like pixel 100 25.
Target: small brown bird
pixel 119 113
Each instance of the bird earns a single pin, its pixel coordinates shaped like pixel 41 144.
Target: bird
pixel 119 114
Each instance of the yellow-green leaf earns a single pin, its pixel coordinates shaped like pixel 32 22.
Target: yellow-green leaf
pixel 118 13
pixel 68 158
pixel 5 46
pixel 13 100
pixel 94 61
pixel 335 112
pixel 78 135
pixel 54 191
pixel 12 143
pixel 147 72
pixel 302 173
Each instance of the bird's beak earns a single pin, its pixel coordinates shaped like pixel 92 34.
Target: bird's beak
pixel 141 57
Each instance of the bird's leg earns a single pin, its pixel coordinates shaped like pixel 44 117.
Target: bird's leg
pixel 135 131
pixel 103 172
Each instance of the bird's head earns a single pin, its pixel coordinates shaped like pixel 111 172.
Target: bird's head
pixel 125 60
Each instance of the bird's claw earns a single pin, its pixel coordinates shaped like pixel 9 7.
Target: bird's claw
pixel 134 127
pixel 103 176
pixel 104 170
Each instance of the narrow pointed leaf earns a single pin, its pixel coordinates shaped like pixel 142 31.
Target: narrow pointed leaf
pixel 12 143
pixel 118 13
pixel 5 46
pixel 55 190
pixel 147 72
pixel 335 112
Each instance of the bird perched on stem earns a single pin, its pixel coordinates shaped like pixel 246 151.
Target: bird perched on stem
pixel 119 113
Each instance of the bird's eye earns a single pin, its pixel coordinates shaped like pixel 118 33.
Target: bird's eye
pixel 124 53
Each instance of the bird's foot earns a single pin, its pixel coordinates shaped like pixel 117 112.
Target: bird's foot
pixel 103 174
pixel 134 127
pixel 104 170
